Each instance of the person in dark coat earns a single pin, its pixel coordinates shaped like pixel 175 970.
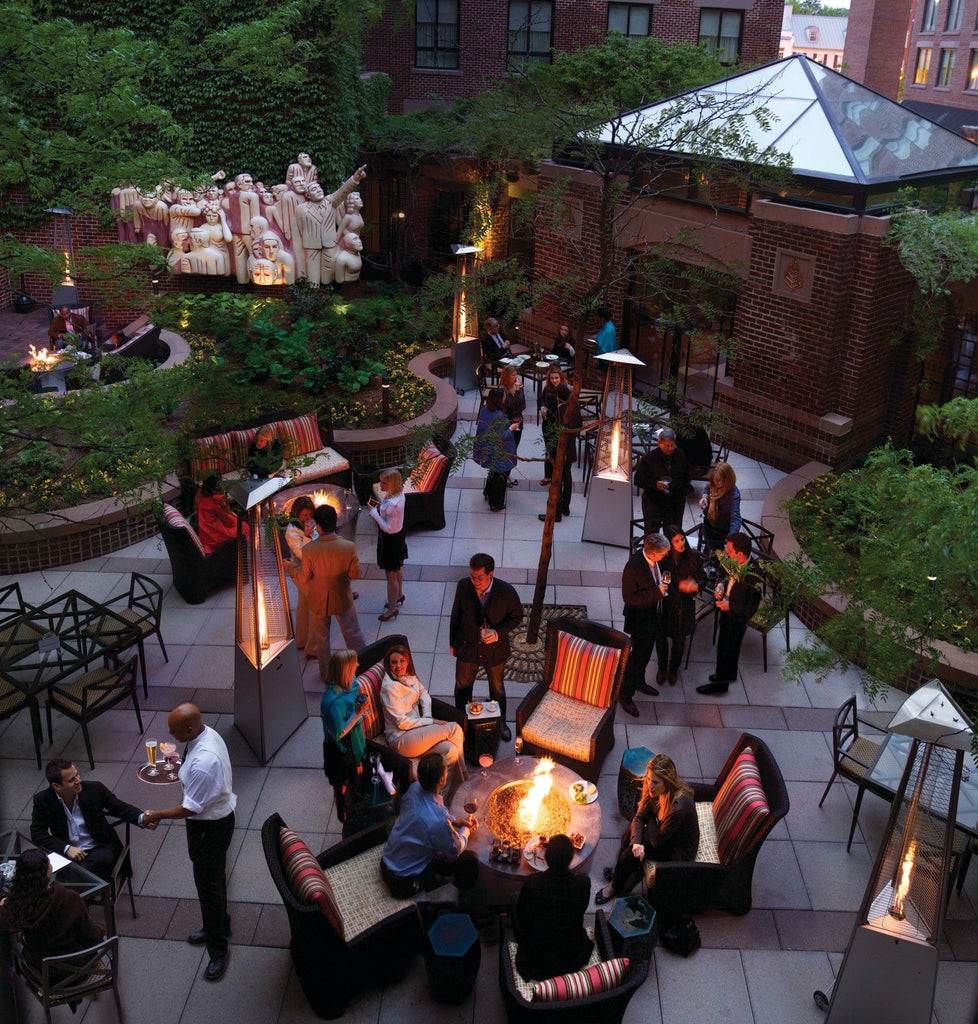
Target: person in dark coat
pixel 553 426
pixel 684 567
pixel 548 917
pixel 495 449
pixel 485 612
pixel 662 475
pixel 642 590
pixel 495 345
pixel 69 817
pixel 665 827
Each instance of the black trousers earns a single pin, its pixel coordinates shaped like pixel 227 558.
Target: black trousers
pixel 731 636
pixel 207 845
pixel 666 662
pixel 100 860
pixel 495 489
pixel 463 872
pixel 465 673
pixel 643 643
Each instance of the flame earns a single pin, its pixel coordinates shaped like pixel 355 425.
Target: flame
pixel 615 444
pixel 903 886
pixel 322 498
pixel 542 782
pixel 42 360
pixel 262 620
pixel 67 278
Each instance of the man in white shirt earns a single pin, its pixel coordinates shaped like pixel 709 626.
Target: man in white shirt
pixel 208 806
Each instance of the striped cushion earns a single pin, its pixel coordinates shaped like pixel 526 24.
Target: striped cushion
pixel 85 311
pixel 425 474
pixel 361 895
pixel 176 521
pixel 299 435
pixel 584 670
pixel 524 987
pixel 373 714
pixel 214 454
pixel 306 878
pixel 740 809
pixel 603 976
pixel 563 725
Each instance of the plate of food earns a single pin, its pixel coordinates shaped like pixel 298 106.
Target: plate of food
pixel 542 365
pixel 535 852
pixel 583 792
pixel 577 840
pixel 551 357
pixel 475 708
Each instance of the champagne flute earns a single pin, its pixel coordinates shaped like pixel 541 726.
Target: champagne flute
pixel 518 750
pixel 169 752
pixel 152 770
pixel 485 763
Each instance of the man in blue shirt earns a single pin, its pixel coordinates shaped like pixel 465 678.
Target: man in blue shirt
pixel 607 339
pixel 427 845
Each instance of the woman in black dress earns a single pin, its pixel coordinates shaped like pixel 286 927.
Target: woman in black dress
pixel 514 404
pixel 679 607
pixel 555 394
pixel 391 546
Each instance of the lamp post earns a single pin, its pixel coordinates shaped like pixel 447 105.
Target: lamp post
pixel 269 702
pixel 465 324
pixel 385 399
pixel 890 967
pixel 609 498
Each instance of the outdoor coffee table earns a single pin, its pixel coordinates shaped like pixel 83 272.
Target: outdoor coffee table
pixel 504 880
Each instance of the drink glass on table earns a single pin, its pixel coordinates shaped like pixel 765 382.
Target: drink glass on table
pixel 152 770
pixel 518 750
pixel 485 763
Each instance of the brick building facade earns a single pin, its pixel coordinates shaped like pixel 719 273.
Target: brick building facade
pixel 454 48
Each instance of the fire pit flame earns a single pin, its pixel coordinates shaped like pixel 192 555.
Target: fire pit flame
pixel 42 359
pixel 541 784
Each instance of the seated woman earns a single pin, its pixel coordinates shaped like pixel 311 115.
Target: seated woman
pixel 216 523
pixel 52 920
pixel 341 710
pixel 265 458
pixel 548 917
pixel 564 343
pixel 665 827
pixel 410 729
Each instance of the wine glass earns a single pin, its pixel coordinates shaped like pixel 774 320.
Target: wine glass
pixel 718 590
pixel 667 577
pixel 169 752
pixel 152 770
pixel 485 763
pixel 374 773
pixel 518 750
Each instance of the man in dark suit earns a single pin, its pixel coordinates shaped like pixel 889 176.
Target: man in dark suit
pixel 494 343
pixel 642 590
pixel 548 917
pixel 485 612
pixel 738 604
pixel 69 817
pixel 663 477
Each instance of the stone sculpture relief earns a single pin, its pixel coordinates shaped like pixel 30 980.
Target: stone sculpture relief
pixel 266 235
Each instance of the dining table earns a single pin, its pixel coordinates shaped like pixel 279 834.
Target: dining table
pixel 51 642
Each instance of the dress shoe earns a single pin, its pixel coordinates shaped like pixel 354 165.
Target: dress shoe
pixel 387 616
pixel 708 688
pixel 216 968
pixel 608 874
pixel 673 676
pixel 512 483
pixel 543 517
pixel 197 938
pixel 601 899
pixel 505 734
pixel 628 706
pixel 645 688
pixel 660 676
pixel 717 679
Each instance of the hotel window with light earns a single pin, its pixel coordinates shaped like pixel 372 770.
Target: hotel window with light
pixel 972 82
pixel 923 66
pixel 929 21
pixel 530 32
pixel 720 33
pixel 436 34
pixel 945 67
pixel 632 20
pixel 953 23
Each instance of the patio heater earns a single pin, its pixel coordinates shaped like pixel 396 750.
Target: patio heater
pixel 66 294
pixel 609 497
pixel 465 324
pixel 890 968
pixel 269 703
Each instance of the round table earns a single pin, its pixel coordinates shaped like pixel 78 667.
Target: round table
pixel 345 502
pixel 503 881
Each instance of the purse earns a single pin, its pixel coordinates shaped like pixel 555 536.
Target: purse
pixel 681 937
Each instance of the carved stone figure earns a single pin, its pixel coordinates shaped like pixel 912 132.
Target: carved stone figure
pixel 303 170
pixel 348 263
pixel 317 221
pixel 202 259
pixel 150 216
pixel 241 204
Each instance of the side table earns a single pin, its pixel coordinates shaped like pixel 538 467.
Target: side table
pixel 452 956
pixel 482 732
pixel 632 927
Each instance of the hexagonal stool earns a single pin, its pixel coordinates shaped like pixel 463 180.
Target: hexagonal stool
pixel 452 956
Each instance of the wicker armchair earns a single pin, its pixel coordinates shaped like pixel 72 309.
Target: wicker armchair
pixel 195 574
pixel 378 935
pixel 599 1008
pixel 723 871
pixel 424 487
pixel 570 715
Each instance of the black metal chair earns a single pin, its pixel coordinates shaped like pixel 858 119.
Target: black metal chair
pixel 853 757
pixel 85 698
pixel 121 876
pixel 774 609
pixel 142 606
pixel 68 979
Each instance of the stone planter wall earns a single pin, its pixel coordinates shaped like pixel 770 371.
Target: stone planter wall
pixel 956 667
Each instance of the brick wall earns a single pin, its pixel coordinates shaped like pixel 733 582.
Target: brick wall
pixel 875 42
pixel 960 42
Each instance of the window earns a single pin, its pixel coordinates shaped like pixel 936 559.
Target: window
pixel 720 33
pixel 929 21
pixel 961 375
pixel 812 31
pixel 945 67
pixel 632 20
pixel 953 23
pixel 530 29
pixel 972 82
pixel 923 66
pixel 436 34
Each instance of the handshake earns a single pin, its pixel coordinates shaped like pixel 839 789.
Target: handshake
pixel 151 820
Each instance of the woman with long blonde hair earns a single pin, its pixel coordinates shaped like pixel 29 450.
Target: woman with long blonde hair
pixel 665 827
pixel 391 546
pixel 721 506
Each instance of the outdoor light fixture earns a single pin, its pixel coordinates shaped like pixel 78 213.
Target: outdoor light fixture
pixel 66 294
pixel 890 967
pixel 609 497
pixel 269 703
pixel 465 323
pixel 385 399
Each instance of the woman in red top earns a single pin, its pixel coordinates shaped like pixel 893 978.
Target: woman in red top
pixel 216 523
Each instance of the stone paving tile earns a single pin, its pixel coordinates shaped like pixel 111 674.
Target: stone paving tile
pixel 814 929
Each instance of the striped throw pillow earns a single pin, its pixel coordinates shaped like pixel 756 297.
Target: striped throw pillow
pixel 428 467
pixel 600 978
pixel 584 671
pixel 173 518
pixel 306 878
pixel 740 809
pixel 214 454
pixel 373 714
pixel 299 436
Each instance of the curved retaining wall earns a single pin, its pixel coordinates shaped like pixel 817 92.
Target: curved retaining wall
pixel 956 667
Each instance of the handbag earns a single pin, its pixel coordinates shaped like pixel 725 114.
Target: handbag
pixel 681 936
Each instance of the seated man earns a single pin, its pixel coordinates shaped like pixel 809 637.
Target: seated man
pixel 69 817
pixel 426 844
pixel 548 917
pixel 494 343
pixel 65 323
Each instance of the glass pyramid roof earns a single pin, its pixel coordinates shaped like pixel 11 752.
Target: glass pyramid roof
pixel 831 127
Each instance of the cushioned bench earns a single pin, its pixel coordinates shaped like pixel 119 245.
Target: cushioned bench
pixel 424 487
pixel 226 454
